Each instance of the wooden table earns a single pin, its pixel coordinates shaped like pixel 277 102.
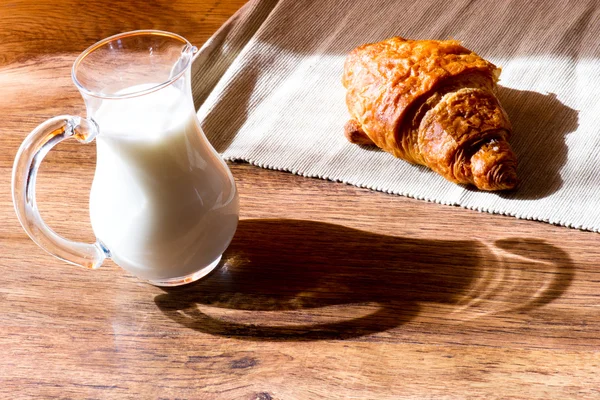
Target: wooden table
pixel 327 291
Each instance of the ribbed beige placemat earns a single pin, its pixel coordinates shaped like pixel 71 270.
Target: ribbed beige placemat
pixel 269 88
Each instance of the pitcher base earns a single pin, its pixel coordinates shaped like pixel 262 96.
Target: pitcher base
pixel 184 280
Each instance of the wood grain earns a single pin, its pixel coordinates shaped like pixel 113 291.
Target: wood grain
pixel 327 291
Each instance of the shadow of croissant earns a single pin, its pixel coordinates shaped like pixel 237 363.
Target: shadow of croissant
pixel 304 280
pixel 540 124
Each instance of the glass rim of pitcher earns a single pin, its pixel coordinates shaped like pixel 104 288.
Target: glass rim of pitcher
pixel 187 48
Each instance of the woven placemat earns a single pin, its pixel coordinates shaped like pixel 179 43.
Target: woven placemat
pixel 268 89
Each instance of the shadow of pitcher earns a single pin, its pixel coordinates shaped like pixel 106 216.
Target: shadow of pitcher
pixel 305 280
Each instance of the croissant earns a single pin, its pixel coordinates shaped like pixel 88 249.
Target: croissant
pixel 432 103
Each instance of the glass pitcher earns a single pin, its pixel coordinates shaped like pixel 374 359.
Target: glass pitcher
pixel 163 203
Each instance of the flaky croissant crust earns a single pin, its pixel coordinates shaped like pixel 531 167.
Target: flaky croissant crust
pixel 432 103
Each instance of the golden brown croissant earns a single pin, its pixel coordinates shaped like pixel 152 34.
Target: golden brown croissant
pixel 433 103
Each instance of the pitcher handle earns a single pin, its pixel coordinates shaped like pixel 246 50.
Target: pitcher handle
pixel 29 157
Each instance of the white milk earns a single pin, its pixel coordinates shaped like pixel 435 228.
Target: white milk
pixel 163 202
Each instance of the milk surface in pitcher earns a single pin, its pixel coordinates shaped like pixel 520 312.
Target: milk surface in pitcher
pixel 162 202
